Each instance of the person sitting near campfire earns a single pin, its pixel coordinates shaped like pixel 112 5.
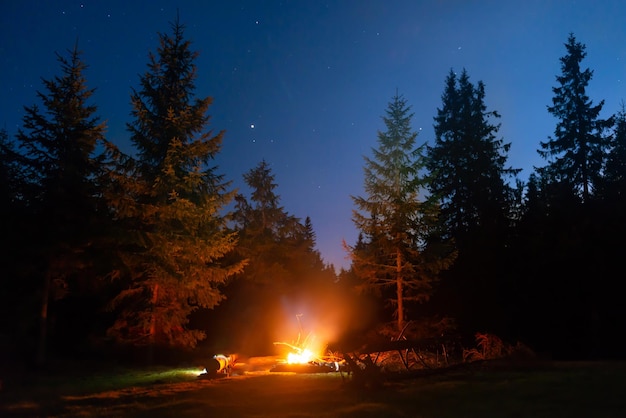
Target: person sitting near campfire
pixel 221 364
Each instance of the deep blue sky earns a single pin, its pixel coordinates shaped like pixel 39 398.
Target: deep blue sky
pixel 303 84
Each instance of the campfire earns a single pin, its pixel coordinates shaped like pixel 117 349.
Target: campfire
pixel 299 354
pixel 306 356
pixel 309 352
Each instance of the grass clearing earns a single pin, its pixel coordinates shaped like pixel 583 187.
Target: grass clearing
pixel 550 390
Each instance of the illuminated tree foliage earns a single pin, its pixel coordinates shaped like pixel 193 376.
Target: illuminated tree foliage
pixel 577 150
pixel 395 220
pixel 284 268
pixel 167 203
pixel 59 168
pixel 273 240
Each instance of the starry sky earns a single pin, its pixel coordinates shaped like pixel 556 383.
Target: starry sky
pixel 304 84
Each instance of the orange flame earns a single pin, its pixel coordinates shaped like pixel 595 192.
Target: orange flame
pixel 304 350
pixel 303 357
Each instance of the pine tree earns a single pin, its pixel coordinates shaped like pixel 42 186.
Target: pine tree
pixel 263 214
pixel 566 220
pixel 173 238
pixel 271 238
pixel 59 166
pixel 59 145
pixel 284 270
pixel 309 244
pixel 395 220
pixel 606 244
pixel 468 176
pixel 614 180
pixel 15 290
pixel 9 173
pixel 577 150
pixel 467 161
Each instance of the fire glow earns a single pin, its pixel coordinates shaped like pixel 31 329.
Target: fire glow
pixel 299 354
pixel 307 355
pixel 304 350
pixel 304 357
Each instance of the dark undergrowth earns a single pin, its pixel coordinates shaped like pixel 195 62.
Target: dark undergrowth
pixel 491 388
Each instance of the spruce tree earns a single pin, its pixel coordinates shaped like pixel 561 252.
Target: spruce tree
pixel 467 166
pixel 9 174
pixel 606 246
pixel 467 161
pixel 168 205
pixel 395 219
pixel 271 239
pixel 283 272
pixel 614 179
pixel 59 166
pixel 17 255
pixel 576 152
pixel 566 220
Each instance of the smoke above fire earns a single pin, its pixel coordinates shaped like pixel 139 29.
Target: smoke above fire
pixel 316 318
pixel 251 322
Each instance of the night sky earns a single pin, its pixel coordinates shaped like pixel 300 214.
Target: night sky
pixel 303 84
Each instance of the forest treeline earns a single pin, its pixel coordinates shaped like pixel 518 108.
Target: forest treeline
pixel 107 252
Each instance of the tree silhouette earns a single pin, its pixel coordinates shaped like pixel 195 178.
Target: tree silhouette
pixel 614 178
pixel 59 168
pixel 280 248
pixel 467 161
pixel 577 150
pixel 467 166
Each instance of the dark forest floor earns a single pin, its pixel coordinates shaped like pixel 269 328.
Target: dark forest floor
pixel 488 389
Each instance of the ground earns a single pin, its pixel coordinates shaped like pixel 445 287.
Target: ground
pixel 487 390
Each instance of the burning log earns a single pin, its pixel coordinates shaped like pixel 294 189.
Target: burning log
pixel 308 355
pixel 304 368
pixel 303 360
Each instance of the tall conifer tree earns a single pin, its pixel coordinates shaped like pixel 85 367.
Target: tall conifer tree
pixel 394 218
pixel 59 166
pixel 168 204
pixel 283 267
pixel 577 150
pixel 566 221
pixel 468 176
pixel 614 179
pixel 9 173
pixel 273 240
pixel 467 161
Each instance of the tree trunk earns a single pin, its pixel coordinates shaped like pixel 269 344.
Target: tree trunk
pixel 153 323
pixel 43 321
pixel 399 291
